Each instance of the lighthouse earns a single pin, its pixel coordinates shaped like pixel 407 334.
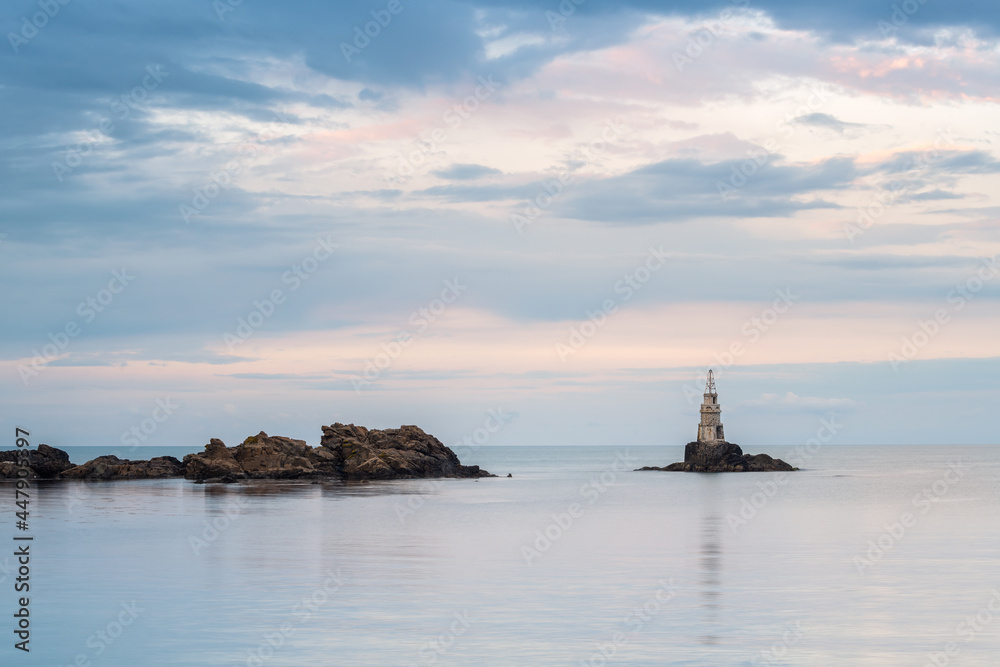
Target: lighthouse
pixel 710 428
pixel 711 453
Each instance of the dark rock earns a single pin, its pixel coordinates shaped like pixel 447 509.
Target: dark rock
pixel 723 457
pixel 350 452
pixel 215 462
pixel 703 456
pixel 509 475
pixel 764 463
pixel 112 467
pixel 396 453
pixel 260 456
pixel 277 457
pixel 44 462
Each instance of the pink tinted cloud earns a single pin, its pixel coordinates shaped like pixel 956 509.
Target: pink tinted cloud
pixel 659 64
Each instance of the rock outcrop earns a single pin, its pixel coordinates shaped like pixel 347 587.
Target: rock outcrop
pixel 347 452
pixel 215 462
pixel 395 453
pixel 112 467
pixel 723 457
pixel 44 462
pixel 261 457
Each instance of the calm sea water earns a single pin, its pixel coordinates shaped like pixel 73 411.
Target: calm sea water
pixel 574 560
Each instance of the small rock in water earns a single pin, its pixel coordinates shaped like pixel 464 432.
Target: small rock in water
pixel 723 457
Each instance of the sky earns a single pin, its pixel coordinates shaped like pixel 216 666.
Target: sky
pixel 507 222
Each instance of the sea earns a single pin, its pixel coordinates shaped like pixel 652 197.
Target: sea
pixel 867 556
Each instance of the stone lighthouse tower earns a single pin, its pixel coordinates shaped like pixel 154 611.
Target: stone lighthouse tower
pixel 710 428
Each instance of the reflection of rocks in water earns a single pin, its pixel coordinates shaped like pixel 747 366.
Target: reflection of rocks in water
pixel 331 488
pixel 261 488
pixel 710 565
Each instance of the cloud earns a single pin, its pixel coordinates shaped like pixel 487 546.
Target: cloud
pixel 264 376
pixel 935 195
pixel 685 189
pixel 847 21
pixel 942 161
pixel 481 193
pixel 466 172
pixel 914 171
pixel 827 121
pixel 793 402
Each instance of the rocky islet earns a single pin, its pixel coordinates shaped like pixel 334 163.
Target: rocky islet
pixel 346 452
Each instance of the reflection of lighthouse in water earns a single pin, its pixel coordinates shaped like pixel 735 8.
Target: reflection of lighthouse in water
pixel 711 568
pixel 710 427
pixel 710 563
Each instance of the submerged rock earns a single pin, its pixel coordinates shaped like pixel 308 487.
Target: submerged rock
pixel 723 456
pixel 44 462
